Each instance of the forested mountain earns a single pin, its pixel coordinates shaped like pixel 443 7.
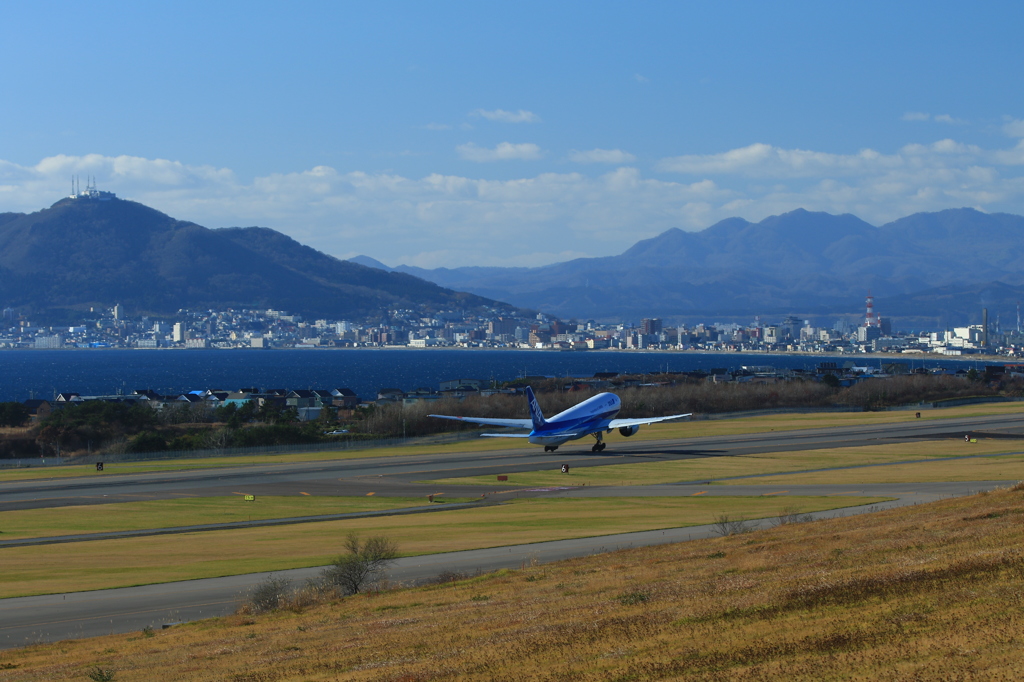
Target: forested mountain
pixel 927 264
pixel 89 252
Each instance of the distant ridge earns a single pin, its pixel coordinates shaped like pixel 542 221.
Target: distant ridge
pixel 370 263
pixel 798 262
pixel 81 253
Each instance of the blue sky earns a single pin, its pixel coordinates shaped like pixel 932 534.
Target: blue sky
pixel 453 134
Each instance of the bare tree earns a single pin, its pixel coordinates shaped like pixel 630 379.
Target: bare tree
pixel 728 526
pixel 363 563
pixel 790 515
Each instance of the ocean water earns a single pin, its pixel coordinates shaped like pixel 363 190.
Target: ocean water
pixel 42 373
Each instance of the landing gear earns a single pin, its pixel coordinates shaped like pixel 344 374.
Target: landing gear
pixel 550 448
pixel 599 445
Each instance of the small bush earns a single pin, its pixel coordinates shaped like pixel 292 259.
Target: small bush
pixel 633 598
pixel 99 674
pixel 790 515
pixel 445 577
pixel 312 593
pixel 147 441
pixel 268 595
pixel 724 525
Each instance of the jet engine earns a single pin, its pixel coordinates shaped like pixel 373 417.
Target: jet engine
pixel 629 430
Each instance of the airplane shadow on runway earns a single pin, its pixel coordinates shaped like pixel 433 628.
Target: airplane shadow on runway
pixel 660 453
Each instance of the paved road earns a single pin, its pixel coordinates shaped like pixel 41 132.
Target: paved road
pixel 53 617
pixel 47 618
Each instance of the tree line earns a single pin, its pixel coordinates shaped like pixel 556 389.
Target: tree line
pixel 96 426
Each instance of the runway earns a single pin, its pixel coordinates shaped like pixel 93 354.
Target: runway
pixel 52 617
pixel 401 476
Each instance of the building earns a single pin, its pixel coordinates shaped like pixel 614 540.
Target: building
pixel 650 326
pixel 38 409
pixel 345 397
pixel 55 341
pixel 867 334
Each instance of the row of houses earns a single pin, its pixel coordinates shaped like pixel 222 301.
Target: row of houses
pixel 308 402
pixel 456 388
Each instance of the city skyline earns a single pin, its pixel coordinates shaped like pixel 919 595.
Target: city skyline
pixel 464 135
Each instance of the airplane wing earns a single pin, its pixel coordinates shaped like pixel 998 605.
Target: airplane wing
pixel 619 423
pixel 515 423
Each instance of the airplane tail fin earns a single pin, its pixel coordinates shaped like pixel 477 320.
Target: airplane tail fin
pixel 535 414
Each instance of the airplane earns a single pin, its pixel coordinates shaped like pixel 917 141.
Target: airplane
pixel 593 417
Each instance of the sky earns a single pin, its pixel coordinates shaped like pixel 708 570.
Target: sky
pixel 466 133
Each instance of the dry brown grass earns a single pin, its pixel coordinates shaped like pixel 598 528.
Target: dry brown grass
pixel 927 592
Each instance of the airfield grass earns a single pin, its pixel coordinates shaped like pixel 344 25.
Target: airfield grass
pixel 1007 468
pixel 926 592
pixel 710 468
pixel 103 564
pixel 101 518
pixel 680 431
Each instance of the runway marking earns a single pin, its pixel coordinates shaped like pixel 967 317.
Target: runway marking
pixel 368 494
pixel 306 494
pixel 781 492
pixel 848 492
pixel 700 493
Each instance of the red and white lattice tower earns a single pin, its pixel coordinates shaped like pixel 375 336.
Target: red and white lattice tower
pixel 869 318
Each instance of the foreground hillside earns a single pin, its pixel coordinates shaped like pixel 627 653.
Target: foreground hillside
pixel 83 252
pixel 927 592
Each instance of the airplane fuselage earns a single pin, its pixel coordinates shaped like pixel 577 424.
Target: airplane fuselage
pixel 593 417
pixel 590 416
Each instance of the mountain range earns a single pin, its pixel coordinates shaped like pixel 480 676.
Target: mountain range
pixel 88 252
pixel 940 268
pixel 940 265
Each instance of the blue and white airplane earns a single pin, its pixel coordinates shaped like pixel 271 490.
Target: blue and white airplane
pixel 593 417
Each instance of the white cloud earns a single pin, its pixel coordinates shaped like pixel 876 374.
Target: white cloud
pixel 502 116
pixel 522 221
pixel 437 126
pixel 601 156
pixel 453 220
pixel 766 161
pixel 938 118
pixel 1014 127
pixel 505 151
pixel 640 79
pixel 875 186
